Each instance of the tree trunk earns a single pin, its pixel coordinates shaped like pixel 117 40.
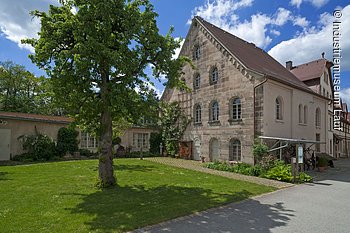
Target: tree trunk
pixel 106 173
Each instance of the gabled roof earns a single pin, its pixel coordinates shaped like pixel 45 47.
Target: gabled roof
pixel 35 117
pixel 254 58
pixel 310 70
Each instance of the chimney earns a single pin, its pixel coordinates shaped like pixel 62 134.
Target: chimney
pixel 322 54
pixel 289 65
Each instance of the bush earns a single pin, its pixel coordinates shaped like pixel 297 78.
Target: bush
pixel 137 154
pixel 241 168
pixel 38 147
pixel 67 141
pixel 87 153
pixel 280 171
pixel 303 177
pixel 260 150
pixel 322 162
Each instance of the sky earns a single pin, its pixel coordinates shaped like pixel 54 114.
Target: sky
pixel 296 30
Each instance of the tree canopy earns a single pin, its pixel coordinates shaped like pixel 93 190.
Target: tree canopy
pixel 96 52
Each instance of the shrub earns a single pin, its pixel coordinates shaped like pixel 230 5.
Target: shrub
pixel 260 150
pixel 87 153
pixel 67 141
pixel 322 162
pixel 280 171
pixel 241 168
pixel 137 154
pixel 303 177
pixel 38 147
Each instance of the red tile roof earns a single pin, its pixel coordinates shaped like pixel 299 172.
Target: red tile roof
pixel 35 117
pixel 253 57
pixel 310 70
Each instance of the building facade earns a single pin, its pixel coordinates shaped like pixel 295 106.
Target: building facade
pixel 239 92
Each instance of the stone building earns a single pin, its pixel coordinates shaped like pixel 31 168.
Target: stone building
pixel 239 92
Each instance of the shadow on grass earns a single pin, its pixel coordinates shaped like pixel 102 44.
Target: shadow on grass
pixel 133 168
pixel 3 176
pixel 129 207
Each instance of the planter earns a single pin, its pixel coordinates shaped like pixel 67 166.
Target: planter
pixel 203 159
pixel 321 169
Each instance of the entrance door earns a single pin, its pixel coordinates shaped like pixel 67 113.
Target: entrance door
pixel 214 149
pixel 5 139
pixel 197 149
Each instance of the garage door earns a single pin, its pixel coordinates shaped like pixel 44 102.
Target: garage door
pixel 5 139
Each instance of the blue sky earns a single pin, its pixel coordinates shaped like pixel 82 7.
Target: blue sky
pixel 297 30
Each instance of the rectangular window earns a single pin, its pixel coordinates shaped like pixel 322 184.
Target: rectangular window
pixel 141 140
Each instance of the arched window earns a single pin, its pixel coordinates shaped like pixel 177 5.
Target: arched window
pixel 318 117
pixel 279 108
pixel 197 81
pixel 305 114
pixel 235 150
pixel 236 109
pixel 197 52
pixel 197 114
pixel 214 75
pixel 214 111
pixel 300 113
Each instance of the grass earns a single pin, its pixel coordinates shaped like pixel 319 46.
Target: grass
pixel 61 197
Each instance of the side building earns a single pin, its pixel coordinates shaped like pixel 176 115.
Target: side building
pixel 13 125
pixel 239 92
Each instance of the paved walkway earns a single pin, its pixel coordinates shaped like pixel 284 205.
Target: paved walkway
pixel 309 208
pixel 197 166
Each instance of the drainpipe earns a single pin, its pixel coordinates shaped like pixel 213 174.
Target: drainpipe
pixel 254 125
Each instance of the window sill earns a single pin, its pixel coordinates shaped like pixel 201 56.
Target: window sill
pixel 279 121
pixel 302 124
pixel 197 124
pixel 214 123
pixel 235 121
pixel 213 83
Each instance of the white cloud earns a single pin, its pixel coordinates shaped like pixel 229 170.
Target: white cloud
pixel 283 15
pixel 296 3
pixel 17 24
pixel 222 13
pixel 311 43
pixel 177 51
pixel 301 21
pixel 345 96
pixel 315 3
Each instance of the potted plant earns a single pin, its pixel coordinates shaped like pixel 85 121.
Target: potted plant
pixel 322 164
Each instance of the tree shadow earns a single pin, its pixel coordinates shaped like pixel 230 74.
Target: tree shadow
pixel 128 207
pixel 340 172
pixel 246 217
pixel 3 176
pixel 133 168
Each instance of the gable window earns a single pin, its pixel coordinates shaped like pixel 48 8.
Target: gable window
pixel 236 109
pixel 305 114
pixel 214 111
pixel 235 150
pixel 197 114
pixel 300 113
pixel 325 77
pixel 197 81
pixel 197 52
pixel 214 75
pixel 279 108
pixel 318 117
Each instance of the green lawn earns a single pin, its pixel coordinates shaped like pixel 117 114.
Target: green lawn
pixel 60 196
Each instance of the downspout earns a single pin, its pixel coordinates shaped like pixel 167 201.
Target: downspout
pixel 261 83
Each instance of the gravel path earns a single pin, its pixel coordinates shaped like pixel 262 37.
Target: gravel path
pixel 197 166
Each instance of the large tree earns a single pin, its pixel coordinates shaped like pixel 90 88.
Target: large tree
pixel 22 91
pixel 96 52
